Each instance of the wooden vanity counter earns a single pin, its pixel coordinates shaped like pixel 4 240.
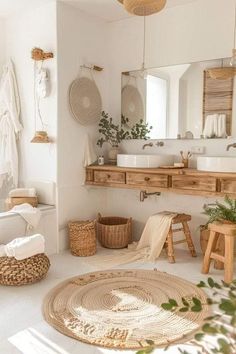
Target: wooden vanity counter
pixel 183 181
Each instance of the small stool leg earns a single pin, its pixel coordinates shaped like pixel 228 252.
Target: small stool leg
pixel 171 255
pixel 220 249
pixel 189 240
pixel 210 247
pixel 229 258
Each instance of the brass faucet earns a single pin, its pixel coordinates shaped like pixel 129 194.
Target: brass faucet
pixel 230 145
pixel 149 144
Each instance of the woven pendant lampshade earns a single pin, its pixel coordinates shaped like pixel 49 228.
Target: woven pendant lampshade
pixel 143 7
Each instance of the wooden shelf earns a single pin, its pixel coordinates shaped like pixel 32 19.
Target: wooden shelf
pixel 182 181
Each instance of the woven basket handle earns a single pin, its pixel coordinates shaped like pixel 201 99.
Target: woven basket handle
pixel 99 216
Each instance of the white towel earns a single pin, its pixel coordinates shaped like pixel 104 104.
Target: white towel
pixel 2 251
pixel 28 213
pixel 208 130
pixel 89 154
pixel 25 247
pixel 221 126
pixel 22 192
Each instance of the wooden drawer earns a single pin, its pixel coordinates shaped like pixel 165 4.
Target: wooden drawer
pixel 147 180
pixel 206 184
pixel 109 177
pixel 228 185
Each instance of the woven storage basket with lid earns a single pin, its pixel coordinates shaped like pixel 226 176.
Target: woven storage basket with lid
pixel 82 238
pixel 26 271
pixel 114 231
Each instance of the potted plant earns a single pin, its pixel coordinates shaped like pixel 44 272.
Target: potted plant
pixel 225 213
pixel 114 133
pixel 111 133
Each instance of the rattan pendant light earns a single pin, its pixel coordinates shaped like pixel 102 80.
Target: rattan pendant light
pixel 143 7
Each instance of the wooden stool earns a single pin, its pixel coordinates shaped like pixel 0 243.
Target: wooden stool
pixel 228 231
pixel 169 244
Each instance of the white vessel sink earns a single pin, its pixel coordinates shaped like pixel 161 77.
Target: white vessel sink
pixel 216 163
pixel 144 161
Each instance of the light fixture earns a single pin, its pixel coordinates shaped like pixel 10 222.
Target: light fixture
pixel 233 58
pixel 143 7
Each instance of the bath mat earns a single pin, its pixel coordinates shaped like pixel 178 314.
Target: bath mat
pixel 121 309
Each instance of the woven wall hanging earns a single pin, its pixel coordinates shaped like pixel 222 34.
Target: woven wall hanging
pixel 85 100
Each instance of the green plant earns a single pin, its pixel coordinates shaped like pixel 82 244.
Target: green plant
pixel 114 134
pixel 220 211
pixel 111 133
pixel 221 324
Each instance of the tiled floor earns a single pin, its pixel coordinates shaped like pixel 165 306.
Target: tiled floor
pixel 22 328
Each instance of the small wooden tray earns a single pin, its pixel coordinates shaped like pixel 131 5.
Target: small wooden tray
pixel 11 202
pixel 171 167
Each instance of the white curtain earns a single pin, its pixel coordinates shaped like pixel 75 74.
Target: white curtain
pixel 9 125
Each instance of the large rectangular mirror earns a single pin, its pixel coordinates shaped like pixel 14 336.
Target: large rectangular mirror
pixel 193 100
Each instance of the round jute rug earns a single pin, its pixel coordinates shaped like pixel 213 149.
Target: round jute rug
pixel 122 308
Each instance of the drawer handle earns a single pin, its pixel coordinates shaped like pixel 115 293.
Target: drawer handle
pixel 108 176
pixel 147 179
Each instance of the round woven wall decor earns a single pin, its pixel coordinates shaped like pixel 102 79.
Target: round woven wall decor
pixel 85 101
pixel 121 309
pixel 144 7
pixel 132 105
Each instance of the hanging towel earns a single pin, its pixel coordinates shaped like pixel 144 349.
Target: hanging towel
pixel 22 192
pixel 221 126
pixel 208 131
pixel 155 233
pixel 9 125
pixel 89 153
pixel 29 214
pixel 25 247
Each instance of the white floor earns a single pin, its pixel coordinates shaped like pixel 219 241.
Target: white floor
pixel 23 329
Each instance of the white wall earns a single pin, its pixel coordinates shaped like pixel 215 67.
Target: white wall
pixel 2 44
pixel 34 28
pixel 81 40
pixel 177 35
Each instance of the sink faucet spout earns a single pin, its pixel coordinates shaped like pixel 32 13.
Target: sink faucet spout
pixel 145 145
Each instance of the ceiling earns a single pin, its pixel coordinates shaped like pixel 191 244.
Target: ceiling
pixel 107 10
pixel 111 10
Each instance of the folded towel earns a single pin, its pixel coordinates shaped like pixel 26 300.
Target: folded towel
pixel 155 233
pixel 28 213
pixel 25 247
pixel 22 192
pixel 2 251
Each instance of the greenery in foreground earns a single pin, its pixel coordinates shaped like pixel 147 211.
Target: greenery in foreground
pixel 221 325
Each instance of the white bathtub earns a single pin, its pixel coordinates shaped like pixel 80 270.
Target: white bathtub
pixel 13 225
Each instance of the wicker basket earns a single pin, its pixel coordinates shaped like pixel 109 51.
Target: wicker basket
pixel 82 238
pixel 26 271
pixel 113 231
